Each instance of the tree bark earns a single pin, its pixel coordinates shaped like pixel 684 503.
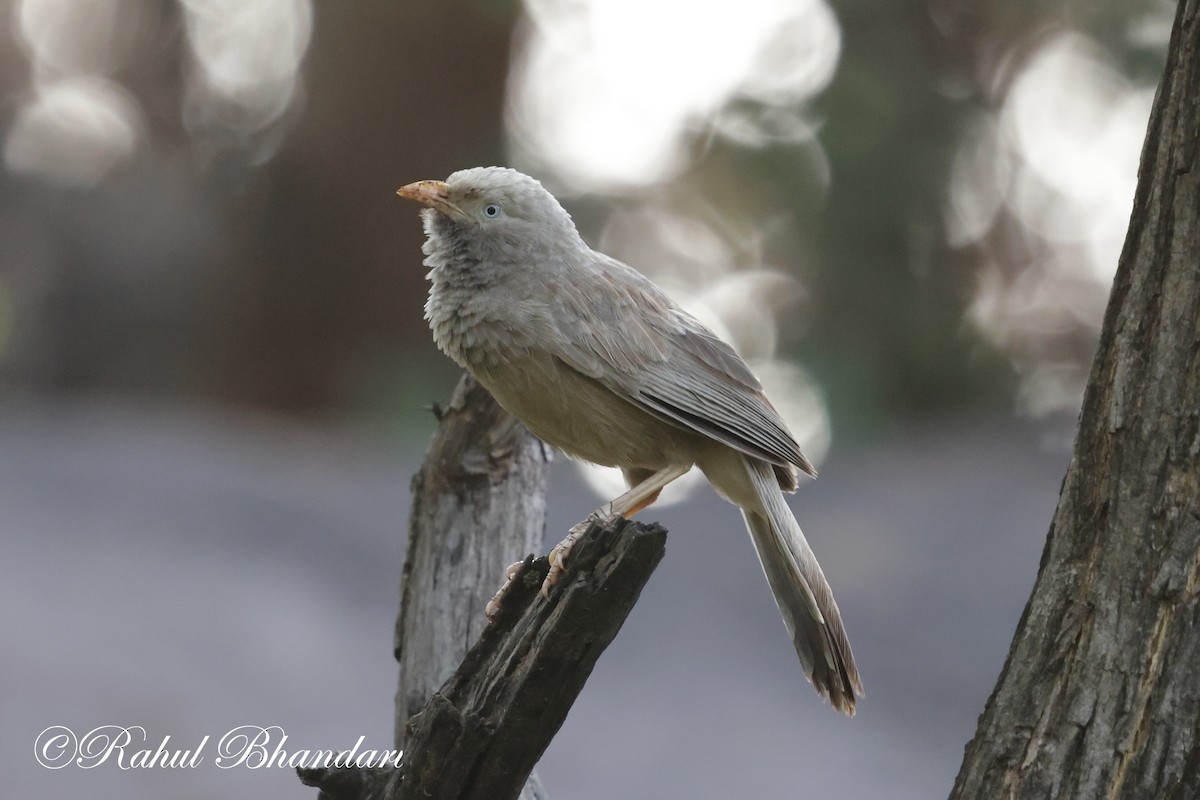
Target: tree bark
pixel 478 503
pixel 1100 695
pixel 479 735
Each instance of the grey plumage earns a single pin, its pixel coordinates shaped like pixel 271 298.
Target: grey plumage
pixel 600 363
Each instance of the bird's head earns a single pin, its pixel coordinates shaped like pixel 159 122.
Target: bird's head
pixel 492 202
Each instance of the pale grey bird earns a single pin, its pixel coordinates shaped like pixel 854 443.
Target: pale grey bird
pixel 598 362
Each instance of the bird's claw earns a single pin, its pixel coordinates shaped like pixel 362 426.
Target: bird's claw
pixel 558 564
pixel 497 602
pixel 561 551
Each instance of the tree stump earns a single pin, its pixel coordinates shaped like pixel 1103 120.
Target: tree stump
pixel 478 500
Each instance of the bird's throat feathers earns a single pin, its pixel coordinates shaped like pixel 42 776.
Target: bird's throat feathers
pixel 447 246
pixel 462 277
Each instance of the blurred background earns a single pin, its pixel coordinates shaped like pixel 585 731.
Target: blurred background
pixel 214 368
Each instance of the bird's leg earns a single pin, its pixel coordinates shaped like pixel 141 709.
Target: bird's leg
pixel 633 477
pixel 628 504
pixel 644 504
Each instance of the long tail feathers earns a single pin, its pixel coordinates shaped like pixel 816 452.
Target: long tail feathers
pixel 801 592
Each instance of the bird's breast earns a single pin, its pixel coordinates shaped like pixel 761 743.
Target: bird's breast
pixel 482 330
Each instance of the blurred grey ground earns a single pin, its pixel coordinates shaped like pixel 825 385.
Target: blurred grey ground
pixel 191 570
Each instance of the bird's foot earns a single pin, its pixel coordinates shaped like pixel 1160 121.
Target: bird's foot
pixel 497 602
pixel 561 551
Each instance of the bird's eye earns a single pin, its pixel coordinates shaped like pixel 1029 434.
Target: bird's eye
pixel 491 210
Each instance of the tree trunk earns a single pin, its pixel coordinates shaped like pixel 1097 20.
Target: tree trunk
pixel 479 503
pixel 480 734
pixel 1100 695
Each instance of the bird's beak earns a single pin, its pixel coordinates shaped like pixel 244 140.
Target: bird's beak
pixel 435 194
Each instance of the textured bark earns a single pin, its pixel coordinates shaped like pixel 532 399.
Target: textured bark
pixel 479 736
pixel 1100 695
pixel 479 502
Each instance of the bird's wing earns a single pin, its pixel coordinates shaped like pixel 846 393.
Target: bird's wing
pixel 646 349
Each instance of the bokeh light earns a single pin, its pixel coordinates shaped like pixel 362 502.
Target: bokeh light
pixel 74 131
pixel 607 94
pixel 247 57
pixel 1043 187
pixel 79 121
pixel 77 124
pixel 73 37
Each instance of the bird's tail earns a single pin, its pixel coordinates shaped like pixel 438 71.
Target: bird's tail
pixel 801 592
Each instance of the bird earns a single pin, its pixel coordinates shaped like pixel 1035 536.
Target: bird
pixel 601 364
